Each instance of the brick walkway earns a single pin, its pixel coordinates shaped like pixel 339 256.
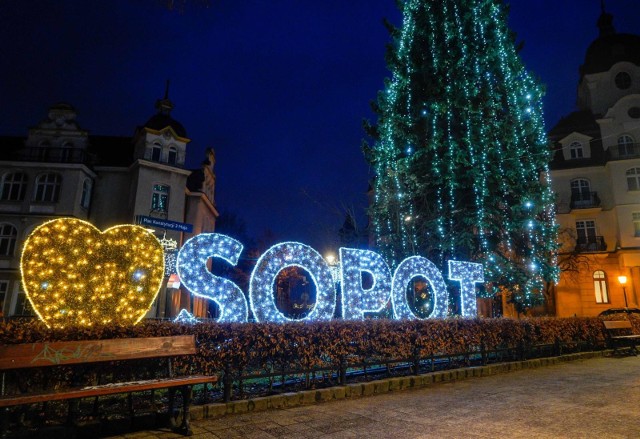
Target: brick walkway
pixel 597 398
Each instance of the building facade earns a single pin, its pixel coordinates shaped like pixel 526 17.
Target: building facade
pixel 596 176
pixel 60 170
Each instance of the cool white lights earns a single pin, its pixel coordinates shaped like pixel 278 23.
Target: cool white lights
pixel 274 260
pixel 406 271
pixel 192 269
pixel 356 300
pixel 468 274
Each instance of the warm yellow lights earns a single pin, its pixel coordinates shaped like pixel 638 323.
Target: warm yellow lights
pixel 74 274
pixel 622 280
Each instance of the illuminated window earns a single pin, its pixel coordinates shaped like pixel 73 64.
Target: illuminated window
pixel 600 286
pixel 173 156
pixel 636 223
pixel 86 194
pixel 625 145
pixel 633 179
pixel 14 186
pixel 576 150
pixel 48 187
pixel 156 152
pixel 160 198
pixel 8 235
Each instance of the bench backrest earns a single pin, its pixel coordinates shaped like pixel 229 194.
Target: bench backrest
pixel 617 324
pixel 26 355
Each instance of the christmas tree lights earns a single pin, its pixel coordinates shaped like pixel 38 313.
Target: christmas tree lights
pixel 193 272
pixel 75 275
pixel 460 154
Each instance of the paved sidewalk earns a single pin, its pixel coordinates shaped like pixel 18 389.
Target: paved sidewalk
pixel 595 398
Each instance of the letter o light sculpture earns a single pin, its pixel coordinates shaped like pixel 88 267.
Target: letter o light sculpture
pixel 272 262
pixel 407 270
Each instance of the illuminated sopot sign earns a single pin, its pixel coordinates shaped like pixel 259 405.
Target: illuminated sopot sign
pixel 75 275
pixel 193 272
pixel 356 301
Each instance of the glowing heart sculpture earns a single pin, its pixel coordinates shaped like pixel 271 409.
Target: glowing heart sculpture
pixel 75 275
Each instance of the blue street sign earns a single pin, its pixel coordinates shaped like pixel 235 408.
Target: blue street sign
pixel 164 224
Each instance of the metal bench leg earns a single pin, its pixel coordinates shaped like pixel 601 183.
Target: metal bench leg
pixel 72 418
pixel 171 408
pixel 4 422
pixel 187 394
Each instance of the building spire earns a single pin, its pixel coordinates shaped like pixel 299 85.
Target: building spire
pixel 605 22
pixel 165 105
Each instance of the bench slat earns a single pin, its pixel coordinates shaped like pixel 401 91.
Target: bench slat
pixel 91 351
pixel 108 389
pixel 617 324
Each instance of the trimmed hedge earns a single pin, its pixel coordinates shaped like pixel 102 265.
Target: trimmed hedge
pixel 304 346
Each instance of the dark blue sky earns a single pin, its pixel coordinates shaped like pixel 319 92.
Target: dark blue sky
pixel 278 87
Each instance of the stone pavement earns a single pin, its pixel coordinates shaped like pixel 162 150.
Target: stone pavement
pixel 594 398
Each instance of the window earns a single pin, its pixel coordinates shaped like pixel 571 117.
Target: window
pixel 67 152
pixel 156 152
pixel 4 287
pixel 160 198
pixel 14 186
pixel 576 150
pixel 8 235
pixel 48 187
pixel 23 306
pixel 625 145
pixel 600 286
pixel 86 194
pixel 580 192
pixel 623 80
pixel 633 179
pixel 586 230
pixel 636 223
pixel 173 156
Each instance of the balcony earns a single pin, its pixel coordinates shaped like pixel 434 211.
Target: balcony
pixel 623 152
pixel 591 244
pixel 53 155
pixel 584 200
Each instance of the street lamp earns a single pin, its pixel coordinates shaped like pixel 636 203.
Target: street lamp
pixel 623 281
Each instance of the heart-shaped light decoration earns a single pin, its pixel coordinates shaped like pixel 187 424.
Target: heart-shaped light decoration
pixel 75 275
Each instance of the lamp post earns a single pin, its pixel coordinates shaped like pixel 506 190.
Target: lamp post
pixel 623 282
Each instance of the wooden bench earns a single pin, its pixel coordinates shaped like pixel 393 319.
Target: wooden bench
pixel 77 356
pixel 619 334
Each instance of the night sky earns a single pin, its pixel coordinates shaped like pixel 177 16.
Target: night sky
pixel 278 87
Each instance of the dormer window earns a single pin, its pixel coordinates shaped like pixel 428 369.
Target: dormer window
pixel 625 145
pixel 173 156
pixel 576 150
pixel 156 152
pixel 623 80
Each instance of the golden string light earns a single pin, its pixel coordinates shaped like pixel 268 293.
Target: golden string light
pixel 76 275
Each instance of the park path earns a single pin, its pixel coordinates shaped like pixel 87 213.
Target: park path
pixel 594 398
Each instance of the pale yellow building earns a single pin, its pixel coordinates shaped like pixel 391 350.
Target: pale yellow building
pixel 596 177
pixel 60 170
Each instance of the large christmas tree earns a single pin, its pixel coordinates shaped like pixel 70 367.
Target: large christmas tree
pixel 460 153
